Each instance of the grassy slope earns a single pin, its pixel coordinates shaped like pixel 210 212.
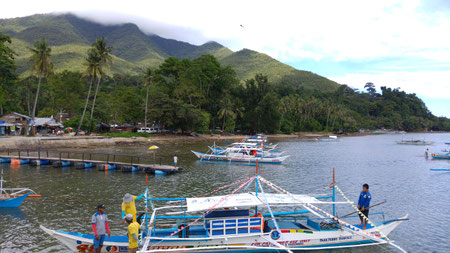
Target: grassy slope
pixel 70 37
pixel 251 62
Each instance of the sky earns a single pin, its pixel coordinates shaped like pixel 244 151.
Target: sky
pixel 390 43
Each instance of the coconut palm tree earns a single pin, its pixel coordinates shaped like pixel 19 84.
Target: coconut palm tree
pixel 42 66
pixel 148 77
pixel 91 62
pixel 105 60
pixel 226 110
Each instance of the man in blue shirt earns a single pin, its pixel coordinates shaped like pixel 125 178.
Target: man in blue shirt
pixel 363 204
pixel 100 226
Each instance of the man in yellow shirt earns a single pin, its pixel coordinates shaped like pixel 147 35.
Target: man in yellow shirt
pixel 129 205
pixel 133 233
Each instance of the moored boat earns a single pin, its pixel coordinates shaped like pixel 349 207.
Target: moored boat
pixel 243 221
pixel 234 222
pixel 414 142
pixel 239 157
pixel 13 197
pixel 77 242
pixel 440 156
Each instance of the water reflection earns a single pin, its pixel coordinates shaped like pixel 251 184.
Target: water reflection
pixel 16 213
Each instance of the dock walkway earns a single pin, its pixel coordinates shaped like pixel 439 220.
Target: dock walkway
pixel 103 161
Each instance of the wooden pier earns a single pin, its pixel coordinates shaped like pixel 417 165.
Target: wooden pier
pixel 81 160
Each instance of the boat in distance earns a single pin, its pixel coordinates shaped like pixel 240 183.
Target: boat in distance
pixel 414 142
pixel 239 157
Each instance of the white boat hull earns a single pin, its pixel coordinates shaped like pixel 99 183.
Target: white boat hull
pixel 294 240
pixel 79 243
pixel 239 158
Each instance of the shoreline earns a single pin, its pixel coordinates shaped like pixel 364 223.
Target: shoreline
pixel 103 141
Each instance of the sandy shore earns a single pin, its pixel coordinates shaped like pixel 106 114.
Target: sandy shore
pixel 93 141
pixel 102 141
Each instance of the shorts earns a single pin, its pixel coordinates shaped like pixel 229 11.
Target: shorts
pixel 365 212
pixel 99 242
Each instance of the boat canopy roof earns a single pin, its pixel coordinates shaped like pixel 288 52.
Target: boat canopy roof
pixel 244 200
pixel 244 143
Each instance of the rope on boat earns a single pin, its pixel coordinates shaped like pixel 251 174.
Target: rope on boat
pixel 361 214
pixel 214 206
pixel 368 221
pixel 221 188
pixel 352 229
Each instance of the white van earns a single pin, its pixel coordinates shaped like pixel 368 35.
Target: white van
pixel 150 130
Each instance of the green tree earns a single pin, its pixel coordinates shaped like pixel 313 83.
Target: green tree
pixel 226 110
pixel 7 67
pixel 105 60
pixel 92 63
pixel 148 77
pixel 42 66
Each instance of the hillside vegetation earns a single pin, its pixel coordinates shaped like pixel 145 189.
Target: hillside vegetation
pixel 191 88
pixel 133 50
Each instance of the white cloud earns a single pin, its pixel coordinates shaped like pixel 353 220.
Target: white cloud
pixel 431 84
pixel 334 29
pixel 338 31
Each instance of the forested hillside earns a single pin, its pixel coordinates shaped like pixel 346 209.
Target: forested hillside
pixel 194 92
pixel 202 94
pixel 133 50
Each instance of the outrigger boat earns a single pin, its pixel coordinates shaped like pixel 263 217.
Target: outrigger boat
pixel 414 142
pixel 440 156
pixel 242 146
pixel 13 197
pixel 260 140
pixel 243 157
pixel 331 138
pixel 236 222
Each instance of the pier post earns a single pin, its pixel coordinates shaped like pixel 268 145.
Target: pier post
pixel 107 158
pixel 82 157
pixel 60 156
pixel 28 152
pixel 19 154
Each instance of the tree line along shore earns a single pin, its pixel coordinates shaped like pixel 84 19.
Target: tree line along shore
pixel 198 95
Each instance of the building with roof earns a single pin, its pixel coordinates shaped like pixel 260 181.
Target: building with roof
pixel 18 124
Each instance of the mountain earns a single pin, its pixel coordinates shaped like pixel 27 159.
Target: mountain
pixel 71 36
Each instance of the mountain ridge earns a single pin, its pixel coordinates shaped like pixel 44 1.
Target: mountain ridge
pixel 70 37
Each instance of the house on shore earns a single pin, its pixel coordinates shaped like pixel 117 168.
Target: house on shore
pixel 14 123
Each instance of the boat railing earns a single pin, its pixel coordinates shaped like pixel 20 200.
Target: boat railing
pixel 236 226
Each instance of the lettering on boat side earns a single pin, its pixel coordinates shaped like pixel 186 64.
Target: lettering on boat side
pixel 376 234
pixel 333 239
pixel 90 248
pixel 268 244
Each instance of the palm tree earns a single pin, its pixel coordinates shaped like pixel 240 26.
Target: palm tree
pixel 42 65
pixel 148 77
pixel 225 110
pixel 105 59
pixel 91 62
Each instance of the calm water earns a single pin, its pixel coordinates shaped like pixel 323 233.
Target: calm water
pixel 396 173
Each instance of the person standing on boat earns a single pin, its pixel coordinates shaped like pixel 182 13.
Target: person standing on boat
pixel 175 160
pixel 100 226
pixel 363 205
pixel 133 233
pixel 129 205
